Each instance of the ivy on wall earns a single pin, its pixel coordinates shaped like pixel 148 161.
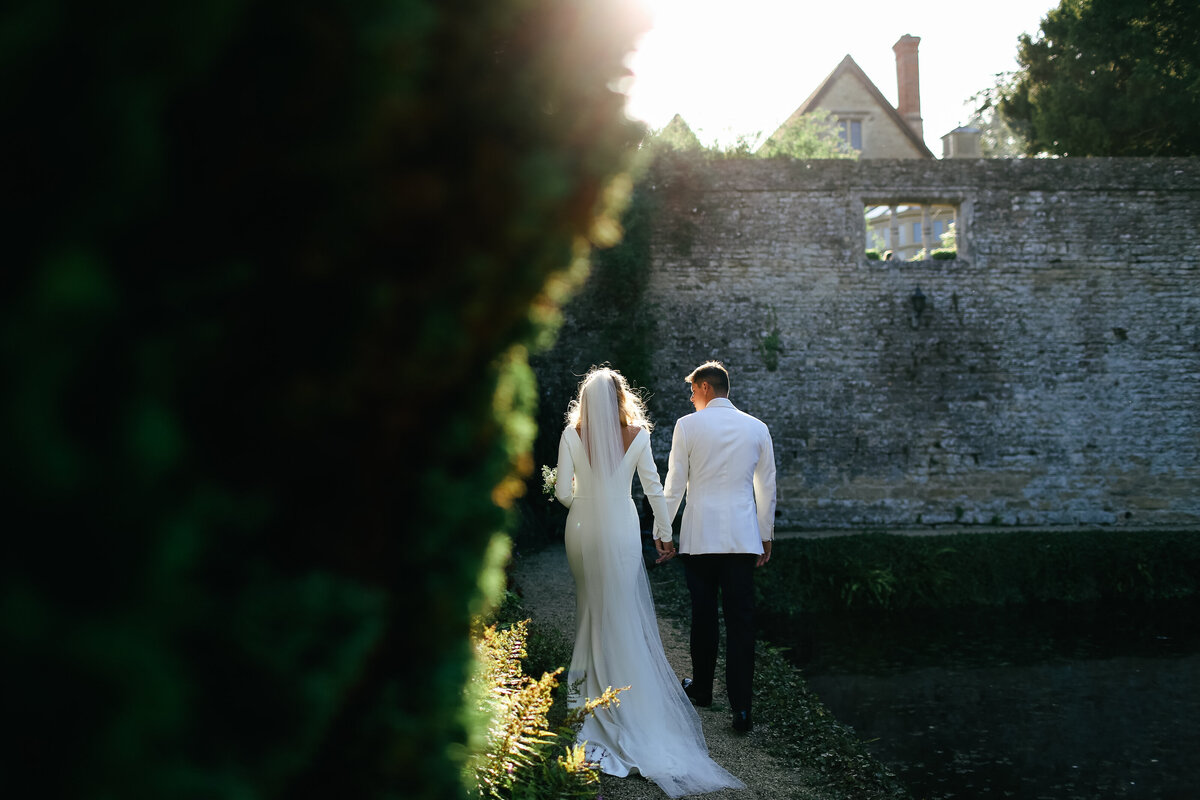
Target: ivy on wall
pixel 770 344
pixel 610 320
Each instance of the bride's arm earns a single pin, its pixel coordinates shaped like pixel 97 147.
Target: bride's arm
pixel 564 485
pixel 648 474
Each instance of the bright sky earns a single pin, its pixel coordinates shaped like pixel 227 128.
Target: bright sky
pixel 735 67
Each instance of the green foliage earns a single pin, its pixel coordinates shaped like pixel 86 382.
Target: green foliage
pixel 744 146
pixel 797 726
pixel 273 271
pixel 677 182
pixel 546 649
pixel 617 289
pixel 999 136
pixel 949 249
pixel 676 135
pixel 769 344
pixel 875 586
pixel 884 571
pixel 522 756
pixel 814 135
pixel 873 254
pixel 949 238
pixel 1110 78
pixel 811 135
pixel 608 321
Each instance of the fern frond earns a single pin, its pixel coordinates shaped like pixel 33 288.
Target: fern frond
pixel 608 698
pixel 522 757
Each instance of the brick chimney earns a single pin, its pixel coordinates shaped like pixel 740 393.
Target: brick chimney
pixel 909 83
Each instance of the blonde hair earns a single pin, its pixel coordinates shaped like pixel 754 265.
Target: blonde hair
pixel 631 409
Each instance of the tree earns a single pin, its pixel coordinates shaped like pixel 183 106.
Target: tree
pixel 999 136
pixel 1110 78
pixel 811 135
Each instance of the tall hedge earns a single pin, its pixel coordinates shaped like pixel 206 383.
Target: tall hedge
pixel 270 271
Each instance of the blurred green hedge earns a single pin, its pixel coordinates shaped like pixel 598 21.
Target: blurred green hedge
pixel 271 271
pixel 889 571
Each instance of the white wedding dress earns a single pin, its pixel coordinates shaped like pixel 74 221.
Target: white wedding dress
pixel 654 730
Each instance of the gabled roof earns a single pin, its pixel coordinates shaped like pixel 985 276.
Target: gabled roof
pixel 849 67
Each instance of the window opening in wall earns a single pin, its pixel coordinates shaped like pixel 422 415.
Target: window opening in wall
pixel 911 231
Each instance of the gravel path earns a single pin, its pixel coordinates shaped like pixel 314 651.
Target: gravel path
pixel 548 596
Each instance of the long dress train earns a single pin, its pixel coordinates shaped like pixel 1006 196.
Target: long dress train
pixel 654 730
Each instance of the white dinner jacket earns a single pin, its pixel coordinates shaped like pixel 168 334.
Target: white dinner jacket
pixel 724 460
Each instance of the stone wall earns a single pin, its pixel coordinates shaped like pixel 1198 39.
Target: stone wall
pixel 1052 378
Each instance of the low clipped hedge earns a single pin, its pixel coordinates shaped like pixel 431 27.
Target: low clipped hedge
pixel 889 571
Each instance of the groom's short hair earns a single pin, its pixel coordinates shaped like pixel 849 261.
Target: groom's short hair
pixel 714 374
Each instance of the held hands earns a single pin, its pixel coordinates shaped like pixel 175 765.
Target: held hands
pixel 666 550
pixel 766 556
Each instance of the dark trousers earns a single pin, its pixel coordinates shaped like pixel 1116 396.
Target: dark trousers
pixel 731 575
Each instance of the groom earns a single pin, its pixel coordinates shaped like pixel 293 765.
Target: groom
pixel 723 459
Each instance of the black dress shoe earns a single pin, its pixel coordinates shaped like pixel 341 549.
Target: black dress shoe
pixel 689 688
pixel 742 722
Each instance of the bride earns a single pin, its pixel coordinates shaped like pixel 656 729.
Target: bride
pixel 653 730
